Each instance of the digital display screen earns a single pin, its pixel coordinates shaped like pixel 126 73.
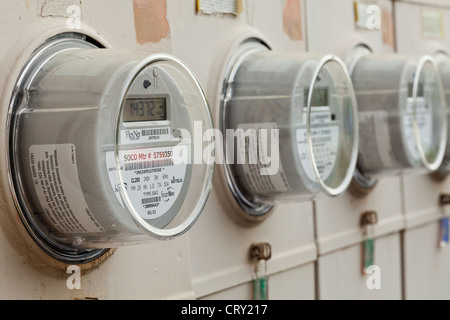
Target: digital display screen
pixel 319 97
pixel 419 89
pixel 150 109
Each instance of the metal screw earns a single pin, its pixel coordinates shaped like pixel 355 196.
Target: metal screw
pixel 444 199
pixel 261 251
pixel 368 218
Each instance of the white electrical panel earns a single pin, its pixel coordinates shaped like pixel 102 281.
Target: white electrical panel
pixel 288 226
pixel 355 21
pixel 340 275
pixel 105 147
pixel 425 263
pixel 421 28
pixel 344 243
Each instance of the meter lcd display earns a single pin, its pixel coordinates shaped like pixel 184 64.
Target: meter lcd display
pixel 150 109
pixel 319 97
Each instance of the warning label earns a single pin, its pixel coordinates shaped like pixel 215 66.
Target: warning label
pixel 55 177
pixel 256 158
pixel 376 152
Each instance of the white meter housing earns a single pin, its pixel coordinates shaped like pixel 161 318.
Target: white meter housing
pixel 402 114
pixel 295 119
pixel 101 147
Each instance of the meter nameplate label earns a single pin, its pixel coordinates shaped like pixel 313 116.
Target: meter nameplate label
pixel 377 151
pixel 253 166
pixel 325 141
pixel 145 135
pixel 320 115
pixel 432 24
pixel 152 178
pixel 55 178
pixel 424 119
pixel 219 6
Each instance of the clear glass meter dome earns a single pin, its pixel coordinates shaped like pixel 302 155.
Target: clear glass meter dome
pixel 102 147
pixel 294 119
pixel 402 114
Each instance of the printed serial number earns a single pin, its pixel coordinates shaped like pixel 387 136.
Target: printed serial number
pixel 162 154
pixel 148 156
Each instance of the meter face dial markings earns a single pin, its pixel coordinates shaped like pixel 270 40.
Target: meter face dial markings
pixel 154 182
pixel 324 130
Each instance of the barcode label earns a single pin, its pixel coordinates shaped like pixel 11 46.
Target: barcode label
pixel 151 200
pixel 154 132
pixel 151 179
pixel 148 164
pixel 132 136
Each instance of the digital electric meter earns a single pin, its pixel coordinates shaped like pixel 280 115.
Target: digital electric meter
pixel 291 126
pixel 101 147
pixel 402 114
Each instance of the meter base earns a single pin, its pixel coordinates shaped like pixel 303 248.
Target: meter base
pixel 250 210
pixel 361 184
pixel 59 251
pixel 66 254
pixel 441 174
